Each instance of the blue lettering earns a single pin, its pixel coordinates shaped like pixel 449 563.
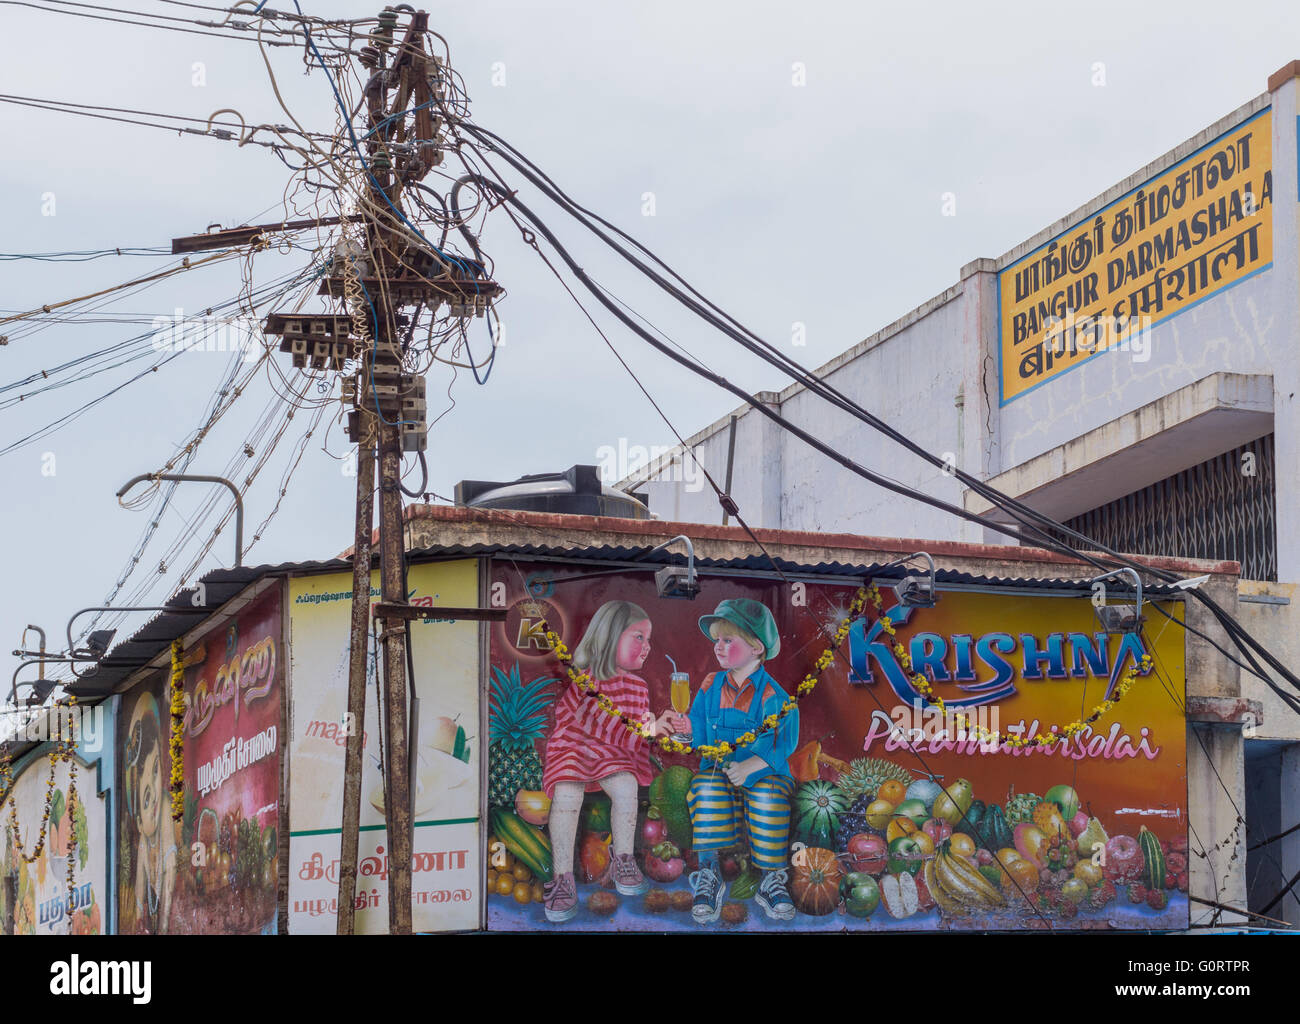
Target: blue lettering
pixel 928 652
pixel 962 643
pixel 1034 657
pixel 1082 649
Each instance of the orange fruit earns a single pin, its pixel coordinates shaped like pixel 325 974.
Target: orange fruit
pixel 491 881
pixel 505 883
pixel 924 842
pixel 893 791
pixel 521 872
pixel 538 894
pixel 523 893
pixel 962 845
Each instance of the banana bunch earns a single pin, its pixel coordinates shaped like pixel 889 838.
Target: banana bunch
pixel 958 888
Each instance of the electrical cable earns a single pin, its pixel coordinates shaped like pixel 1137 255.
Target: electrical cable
pixel 1020 512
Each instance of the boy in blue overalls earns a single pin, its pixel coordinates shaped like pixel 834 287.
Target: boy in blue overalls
pixel 753 785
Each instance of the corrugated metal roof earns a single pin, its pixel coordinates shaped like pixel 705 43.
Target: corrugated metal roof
pixel 223 584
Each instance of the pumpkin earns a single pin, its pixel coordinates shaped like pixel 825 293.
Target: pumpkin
pixel 816 882
pixel 817 808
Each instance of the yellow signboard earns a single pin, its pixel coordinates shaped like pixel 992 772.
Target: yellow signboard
pixel 1201 226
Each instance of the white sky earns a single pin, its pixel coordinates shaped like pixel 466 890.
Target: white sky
pixel 819 204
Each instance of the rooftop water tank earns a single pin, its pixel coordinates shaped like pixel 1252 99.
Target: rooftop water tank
pixel 577 491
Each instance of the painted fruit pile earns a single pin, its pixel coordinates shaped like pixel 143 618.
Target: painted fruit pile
pixel 875 841
pixel 920 844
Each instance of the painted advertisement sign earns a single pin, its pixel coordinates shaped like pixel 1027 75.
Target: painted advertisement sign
pixel 445 870
pixel 44 904
pixel 858 807
pixel 215 870
pixel 1201 226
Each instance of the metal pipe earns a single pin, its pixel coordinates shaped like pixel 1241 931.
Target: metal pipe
pixel 73 657
pixel 239 501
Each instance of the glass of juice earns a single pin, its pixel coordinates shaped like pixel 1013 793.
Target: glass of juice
pixel 680 695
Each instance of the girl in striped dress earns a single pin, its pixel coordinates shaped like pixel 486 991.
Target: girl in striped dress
pixel 589 750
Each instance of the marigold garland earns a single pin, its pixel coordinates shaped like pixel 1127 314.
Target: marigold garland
pixel 982 734
pixel 178 731
pixel 72 805
pixel 62 750
pixel 710 751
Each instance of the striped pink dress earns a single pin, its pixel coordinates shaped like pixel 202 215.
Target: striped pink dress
pixel 587 744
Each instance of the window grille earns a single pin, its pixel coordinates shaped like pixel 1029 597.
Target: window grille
pixel 1216 510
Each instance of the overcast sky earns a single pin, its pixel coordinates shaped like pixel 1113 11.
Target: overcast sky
pixel 820 203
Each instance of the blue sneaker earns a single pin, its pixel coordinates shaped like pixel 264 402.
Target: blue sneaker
pixel 774 898
pixel 709 889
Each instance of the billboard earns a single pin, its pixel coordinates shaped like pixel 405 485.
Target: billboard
pixel 856 807
pixel 445 870
pixel 1200 227
pixel 44 904
pixel 214 871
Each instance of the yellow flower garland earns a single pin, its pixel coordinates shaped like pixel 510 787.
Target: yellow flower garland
pixel 61 751
pixel 711 751
pixel 1039 739
pixel 178 731
pixel 809 682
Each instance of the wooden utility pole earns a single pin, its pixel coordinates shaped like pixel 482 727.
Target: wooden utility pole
pixel 398 268
pixel 358 655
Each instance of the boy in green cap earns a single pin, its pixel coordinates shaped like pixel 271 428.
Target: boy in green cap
pixel 753 785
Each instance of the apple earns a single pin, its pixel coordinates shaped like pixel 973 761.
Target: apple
pixel 861 894
pixel 905 855
pixel 878 813
pixel 1075 890
pixel 983 858
pixel 1065 798
pixel 1079 824
pixel 1029 840
pixel 913 809
pixel 924 901
pixel 443 736
pixel 868 853
pixel 937 830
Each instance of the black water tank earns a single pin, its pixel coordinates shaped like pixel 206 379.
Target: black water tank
pixel 577 491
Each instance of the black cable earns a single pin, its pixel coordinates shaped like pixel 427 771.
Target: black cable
pixel 1273 839
pixel 424 482
pixel 1022 513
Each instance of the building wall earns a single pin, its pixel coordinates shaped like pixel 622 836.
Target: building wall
pixel 911 375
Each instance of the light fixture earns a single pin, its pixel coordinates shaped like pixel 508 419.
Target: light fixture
pixel 916 591
pixel 1119 618
pixel 675 581
pixel 97 642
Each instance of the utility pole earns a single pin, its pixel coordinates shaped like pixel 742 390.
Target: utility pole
pixel 358 654
pixel 396 269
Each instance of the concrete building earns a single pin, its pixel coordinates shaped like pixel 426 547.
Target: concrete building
pixel 1131 370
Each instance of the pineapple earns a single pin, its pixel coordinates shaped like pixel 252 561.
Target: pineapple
pixel 515 724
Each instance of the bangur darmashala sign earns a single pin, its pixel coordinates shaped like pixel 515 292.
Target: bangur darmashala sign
pixel 1200 227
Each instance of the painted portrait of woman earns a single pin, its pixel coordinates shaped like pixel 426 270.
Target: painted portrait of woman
pixel 148 812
